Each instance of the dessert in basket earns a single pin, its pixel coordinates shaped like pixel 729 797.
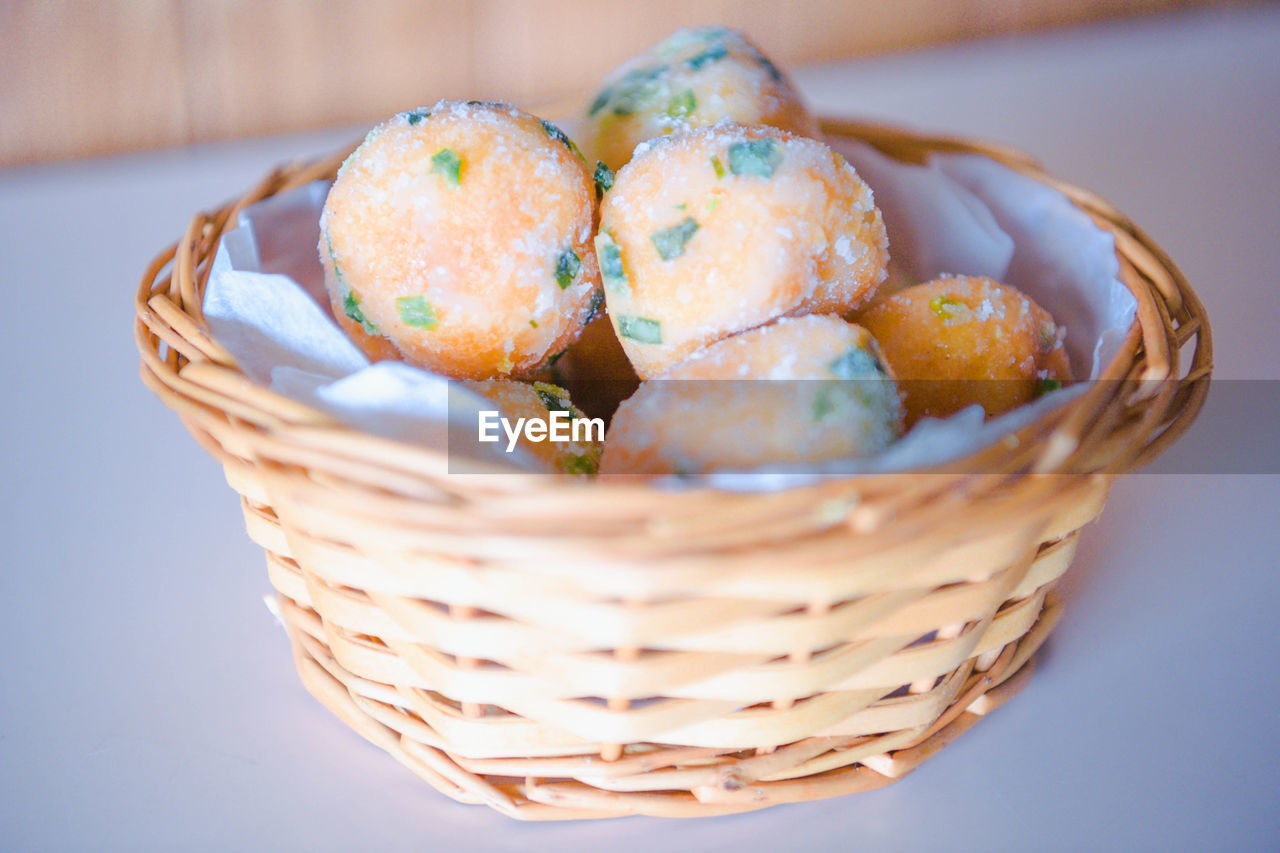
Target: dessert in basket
pixel 873 384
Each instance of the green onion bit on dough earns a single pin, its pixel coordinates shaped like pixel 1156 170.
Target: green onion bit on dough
pixel 351 307
pixel 671 242
pixel 593 308
pixel 682 104
pixel 946 307
pixel 707 56
pixel 447 165
pixel 604 179
pixel 855 363
pixel 611 269
pixel 580 465
pixel 755 157
pixel 416 311
pixel 640 329
pixel 568 265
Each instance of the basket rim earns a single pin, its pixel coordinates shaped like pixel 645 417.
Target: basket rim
pixel 1116 426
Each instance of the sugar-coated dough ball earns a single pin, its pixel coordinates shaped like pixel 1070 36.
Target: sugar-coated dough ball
pixel 721 229
pixel 691 420
pixel 459 237
pixel 536 400
pixel 694 78
pixel 960 340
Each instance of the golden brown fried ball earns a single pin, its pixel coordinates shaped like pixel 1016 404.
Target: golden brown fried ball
pixel 804 389
pixel 960 340
pixel 724 228
pixel 694 78
pixel 459 237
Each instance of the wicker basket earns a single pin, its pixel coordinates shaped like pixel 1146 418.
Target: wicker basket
pixel 558 649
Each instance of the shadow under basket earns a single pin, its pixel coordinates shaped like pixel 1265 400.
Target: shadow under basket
pixel 556 648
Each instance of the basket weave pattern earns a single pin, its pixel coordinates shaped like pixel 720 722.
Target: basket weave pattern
pixel 556 649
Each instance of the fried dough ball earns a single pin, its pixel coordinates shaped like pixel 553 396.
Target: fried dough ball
pixel 960 340
pixel 535 401
pixel 694 78
pixel 459 237
pixel 691 420
pixel 724 228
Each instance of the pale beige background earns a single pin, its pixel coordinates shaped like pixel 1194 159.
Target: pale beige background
pixel 79 77
pixel 148 701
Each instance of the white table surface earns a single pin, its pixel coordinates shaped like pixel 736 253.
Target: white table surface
pixel 147 699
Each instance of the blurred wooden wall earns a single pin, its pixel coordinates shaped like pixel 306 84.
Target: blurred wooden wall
pixel 79 77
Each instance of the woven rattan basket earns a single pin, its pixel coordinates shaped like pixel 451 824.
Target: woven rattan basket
pixel 560 649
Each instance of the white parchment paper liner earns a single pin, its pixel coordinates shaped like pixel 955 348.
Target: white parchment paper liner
pixel 960 213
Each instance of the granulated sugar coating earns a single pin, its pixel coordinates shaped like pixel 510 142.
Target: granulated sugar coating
pixel 459 237
pixel 718 230
pixel 960 340
pixel 694 78
pixel 690 420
